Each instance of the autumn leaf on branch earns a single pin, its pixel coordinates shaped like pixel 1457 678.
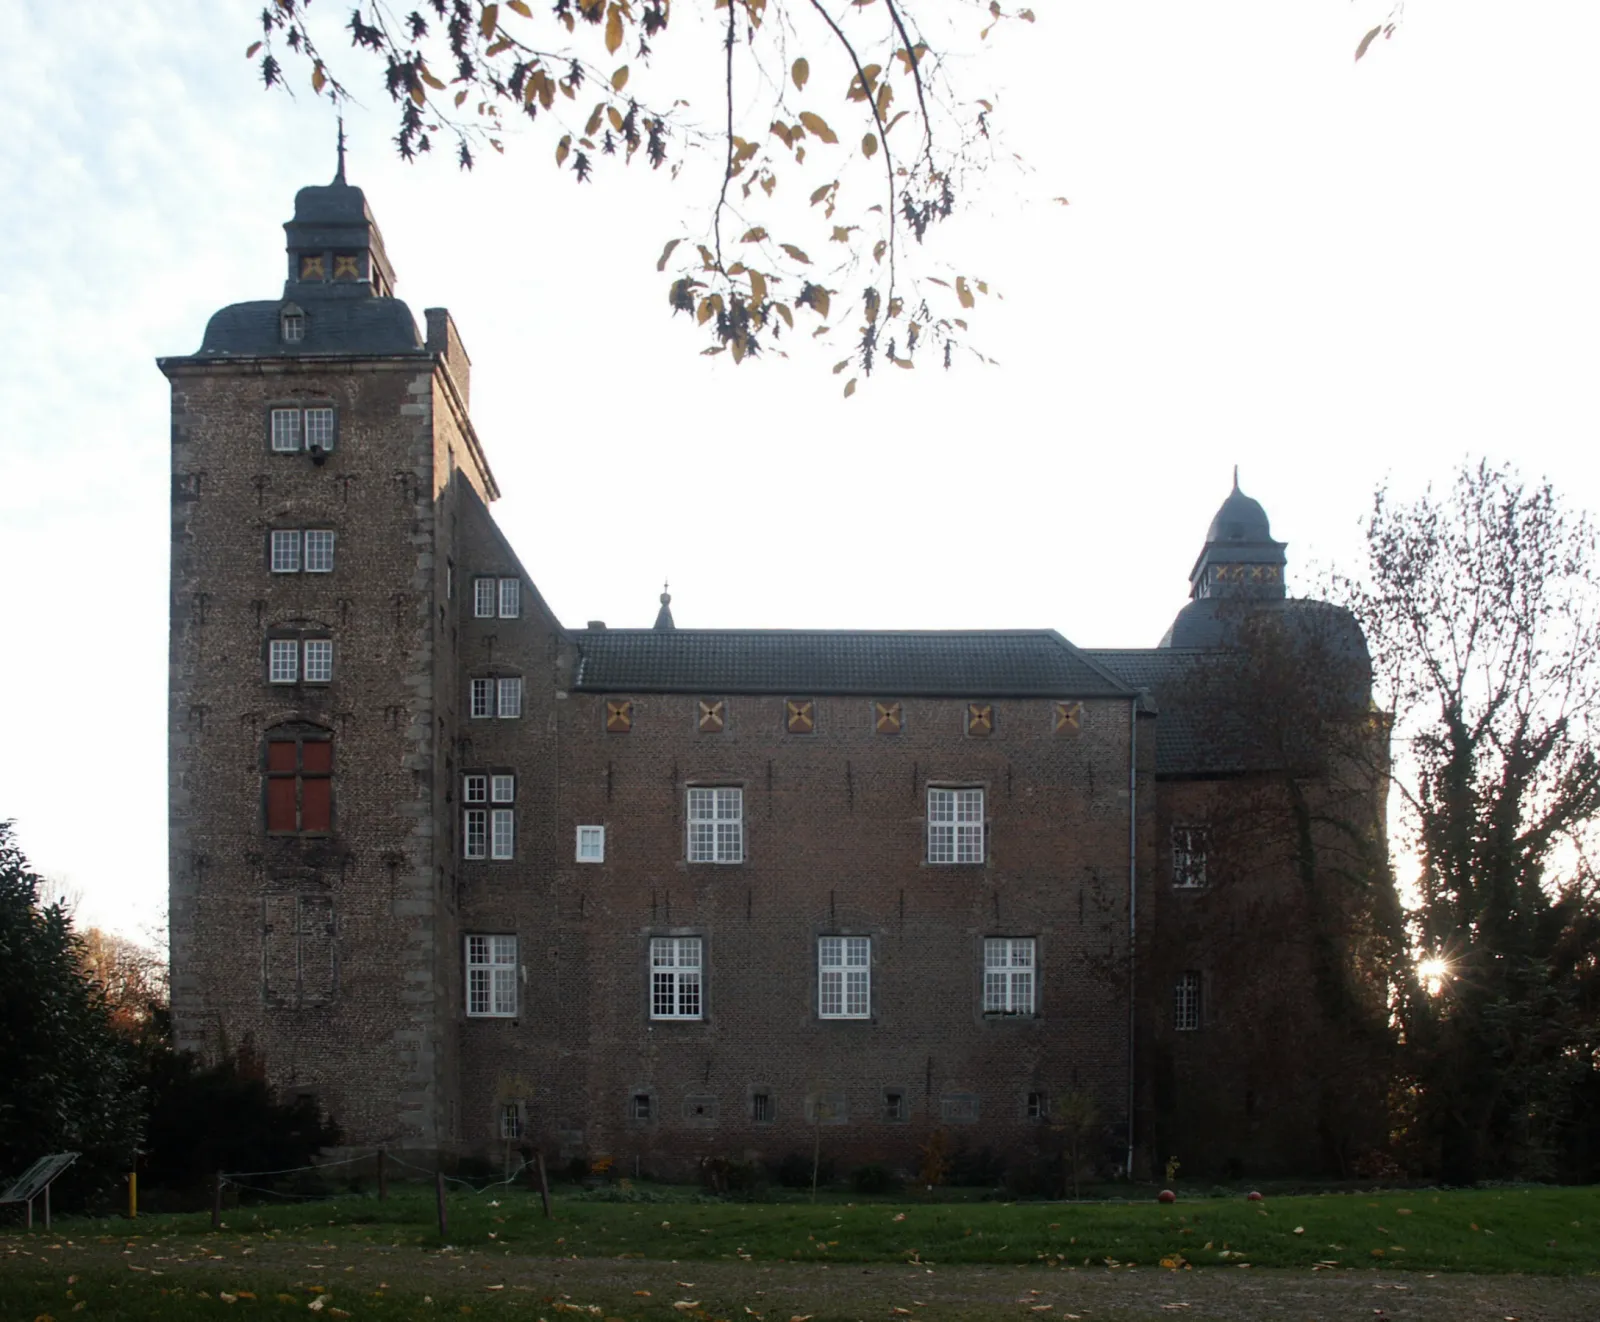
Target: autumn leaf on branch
pixel 850 95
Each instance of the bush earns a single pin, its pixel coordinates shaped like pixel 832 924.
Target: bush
pixel 794 1171
pixel 873 1178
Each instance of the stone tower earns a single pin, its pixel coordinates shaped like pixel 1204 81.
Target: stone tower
pixel 320 446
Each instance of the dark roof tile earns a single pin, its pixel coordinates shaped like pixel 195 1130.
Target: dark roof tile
pixel 976 663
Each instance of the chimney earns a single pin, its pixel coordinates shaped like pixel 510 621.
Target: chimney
pixel 597 624
pixel 445 341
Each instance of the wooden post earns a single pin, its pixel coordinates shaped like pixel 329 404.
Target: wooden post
pixel 383 1175
pixel 544 1182
pixel 444 1220
pixel 216 1202
pixel 133 1195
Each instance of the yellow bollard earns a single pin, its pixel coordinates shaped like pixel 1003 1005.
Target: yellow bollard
pixel 133 1195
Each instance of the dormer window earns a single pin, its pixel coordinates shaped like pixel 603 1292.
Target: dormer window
pixel 292 325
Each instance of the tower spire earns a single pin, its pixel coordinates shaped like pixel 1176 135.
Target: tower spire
pixel 664 615
pixel 338 177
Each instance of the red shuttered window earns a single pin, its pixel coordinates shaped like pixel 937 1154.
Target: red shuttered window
pixel 299 772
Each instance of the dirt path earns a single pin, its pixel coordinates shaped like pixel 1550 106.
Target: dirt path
pixel 783 1291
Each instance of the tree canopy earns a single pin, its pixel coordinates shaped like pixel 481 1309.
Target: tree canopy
pixel 1482 611
pixel 842 132
pixel 66 1078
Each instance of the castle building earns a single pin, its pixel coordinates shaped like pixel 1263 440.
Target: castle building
pixel 471 877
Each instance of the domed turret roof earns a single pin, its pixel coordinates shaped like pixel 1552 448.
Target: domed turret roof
pixel 1241 519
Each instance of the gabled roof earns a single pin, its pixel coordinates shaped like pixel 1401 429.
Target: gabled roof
pixel 992 663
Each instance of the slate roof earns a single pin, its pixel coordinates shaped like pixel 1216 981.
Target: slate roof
pixel 955 663
pixel 333 325
pixel 1182 749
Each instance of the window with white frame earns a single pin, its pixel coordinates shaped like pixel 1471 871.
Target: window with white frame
pixel 483 591
pixel 510 598
pixel 488 819
pixel 286 431
pixel 591 844
pixel 319 429
pixel 1008 975
pixel 293 325
pixel 509 697
pixel 482 697
pixel 285 556
pixel 844 977
pixel 492 976
pixel 474 815
pixel 496 697
pixel 283 660
pixel 319 551
pixel 675 977
pixel 716 825
pixel 1190 844
pixel 290 428
pixel 319 660
pixel 502 833
pixel 1186 1002
pixel 955 825
pixel 511 1120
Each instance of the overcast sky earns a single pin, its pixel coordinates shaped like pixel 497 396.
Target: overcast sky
pixel 1333 274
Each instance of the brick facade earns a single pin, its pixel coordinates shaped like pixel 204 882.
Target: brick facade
pixel 340 953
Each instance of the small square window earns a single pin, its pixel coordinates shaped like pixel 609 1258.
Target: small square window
pixel 482 698
pixel 959 1108
pixel 285 431
pixel 503 789
pixel 894 1106
pixel 510 698
pixel 319 551
pixel 319 429
pixel 502 833
pixel 639 1107
pixel 762 1112
pixel 285 551
pixel 475 789
pixel 510 598
pixel 591 844
pixel 283 661
pixel 1038 1106
pixel 483 590
pixel 319 660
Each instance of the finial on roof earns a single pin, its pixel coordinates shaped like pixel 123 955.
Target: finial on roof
pixel 664 615
pixel 1236 477
pixel 338 178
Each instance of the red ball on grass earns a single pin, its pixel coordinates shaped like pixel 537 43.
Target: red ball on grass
pixel 1253 1196
pixel 1166 1196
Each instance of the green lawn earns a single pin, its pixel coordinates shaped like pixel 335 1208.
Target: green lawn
pixel 357 1257
pixel 1524 1229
